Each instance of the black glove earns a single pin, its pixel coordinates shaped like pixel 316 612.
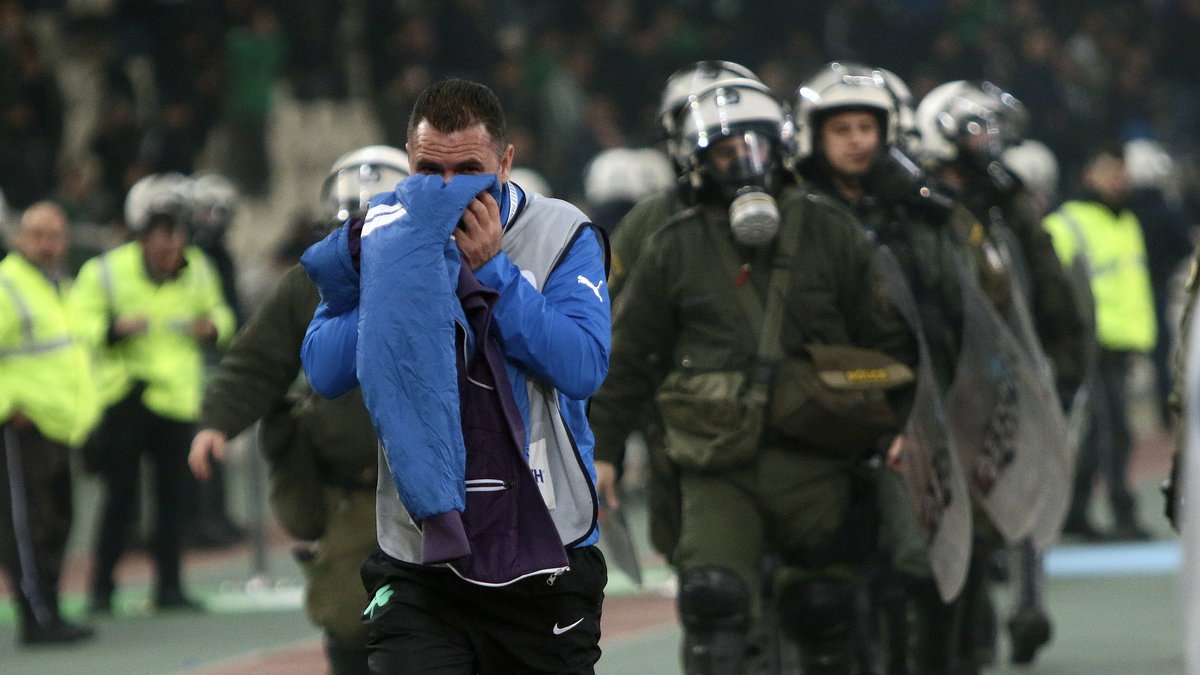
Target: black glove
pixel 895 178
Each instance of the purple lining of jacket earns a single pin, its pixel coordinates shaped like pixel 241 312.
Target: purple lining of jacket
pixel 506 532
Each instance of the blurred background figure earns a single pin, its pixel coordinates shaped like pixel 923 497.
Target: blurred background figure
pixel 530 179
pixel 212 207
pixel 149 309
pixel 618 178
pixel 1154 199
pixel 48 405
pixel 1037 168
pixel 255 53
pixel 1100 228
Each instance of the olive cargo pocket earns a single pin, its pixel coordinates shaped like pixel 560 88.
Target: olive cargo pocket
pixel 834 398
pixel 710 425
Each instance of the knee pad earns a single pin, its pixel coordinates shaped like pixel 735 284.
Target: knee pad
pixel 816 608
pixel 713 598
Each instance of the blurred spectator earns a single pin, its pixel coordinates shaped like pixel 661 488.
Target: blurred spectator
pixel 31 121
pixel 315 69
pixel 1177 62
pixel 465 22
pixel 88 212
pixel 1101 228
pixel 1167 234
pixel 115 143
pixel 1036 83
pixel 48 404
pixel 255 53
pixel 149 309
pixel 172 143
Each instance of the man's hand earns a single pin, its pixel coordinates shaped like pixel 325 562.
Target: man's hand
pixel 208 445
pixel 204 330
pixel 479 232
pixel 20 421
pixel 126 326
pixel 606 484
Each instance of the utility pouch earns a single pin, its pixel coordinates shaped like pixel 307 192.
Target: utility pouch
pixel 713 420
pixel 833 398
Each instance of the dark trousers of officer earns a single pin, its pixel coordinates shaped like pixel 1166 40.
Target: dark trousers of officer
pixel 790 503
pixel 35 520
pixel 1108 445
pixel 131 432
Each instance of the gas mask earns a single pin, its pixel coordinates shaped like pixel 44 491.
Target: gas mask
pixel 742 172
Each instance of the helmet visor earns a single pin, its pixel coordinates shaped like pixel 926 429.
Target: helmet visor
pixel 347 192
pixel 740 159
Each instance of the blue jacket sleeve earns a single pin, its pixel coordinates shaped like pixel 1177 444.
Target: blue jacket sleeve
pixel 328 351
pixel 331 267
pixel 562 334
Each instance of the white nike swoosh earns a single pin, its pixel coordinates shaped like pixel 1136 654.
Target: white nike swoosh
pixel 560 631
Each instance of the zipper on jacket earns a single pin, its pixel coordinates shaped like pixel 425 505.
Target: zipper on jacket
pixel 487 485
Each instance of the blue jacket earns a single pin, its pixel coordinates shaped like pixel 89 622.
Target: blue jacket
pixel 559 336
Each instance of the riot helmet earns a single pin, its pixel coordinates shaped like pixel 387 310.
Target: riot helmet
pixel 728 145
pixel 1149 165
pixel 1011 114
pixel 530 180
pixel 1036 166
pixel 959 121
pixel 626 174
pixel 849 86
pixel 359 175
pixel 687 82
pixel 617 178
pixel 213 203
pixel 161 198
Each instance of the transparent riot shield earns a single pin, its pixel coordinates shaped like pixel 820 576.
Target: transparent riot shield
pixel 1059 453
pixel 927 461
pixel 1001 417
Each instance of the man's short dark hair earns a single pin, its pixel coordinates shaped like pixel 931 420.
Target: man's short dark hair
pixel 454 105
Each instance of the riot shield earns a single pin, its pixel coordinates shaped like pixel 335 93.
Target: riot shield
pixel 1001 417
pixel 1059 453
pixel 927 462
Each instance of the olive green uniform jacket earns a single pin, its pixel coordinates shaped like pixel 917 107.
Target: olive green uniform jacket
pixel 662 486
pixel 322 453
pixel 679 312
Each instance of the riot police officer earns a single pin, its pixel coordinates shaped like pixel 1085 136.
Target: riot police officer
pixel 965 127
pixel 321 452
pixel 687 333
pixel 853 126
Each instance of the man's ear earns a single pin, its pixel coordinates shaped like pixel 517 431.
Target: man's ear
pixel 506 163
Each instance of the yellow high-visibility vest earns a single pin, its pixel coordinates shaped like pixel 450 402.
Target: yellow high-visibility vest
pixel 166 358
pixel 45 370
pixel 1112 246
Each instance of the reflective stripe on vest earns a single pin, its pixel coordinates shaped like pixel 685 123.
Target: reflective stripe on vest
pixel 25 316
